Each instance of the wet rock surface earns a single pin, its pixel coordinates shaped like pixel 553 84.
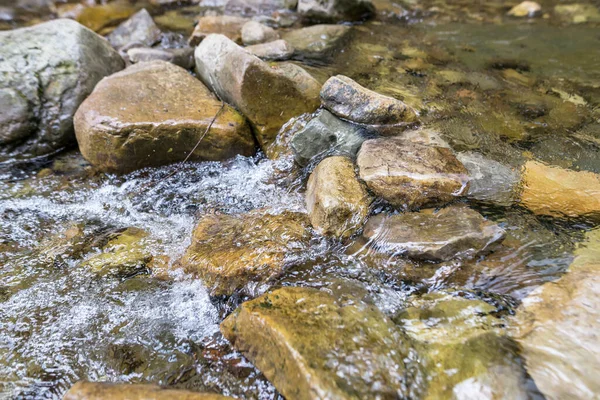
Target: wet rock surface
pixel 336 10
pixel 317 41
pixel 153 114
pixel 409 174
pixel 43 82
pixel 183 57
pixel 278 50
pixel 254 32
pixel 336 201
pixel 228 25
pixel 98 391
pixel 454 231
pixel 138 30
pixel 320 347
pixel 229 252
pixel 267 95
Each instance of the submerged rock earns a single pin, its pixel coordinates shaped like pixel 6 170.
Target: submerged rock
pixel 454 231
pixel 183 57
pixel 268 95
pixel 311 346
pixel 254 33
pixel 139 30
pixel 44 81
pixel 123 391
pixel 409 174
pixel 558 326
pixel 336 10
pixel 559 192
pixel 348 100
pixel 228 252
pixel 526 9
pixel 153 114
pixel 228 25
pixel 317 41
pixel 336 201
pixel 327 134
pixel 278 50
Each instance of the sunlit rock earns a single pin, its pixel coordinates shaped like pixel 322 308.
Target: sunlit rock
pixel 348 100
pixel 277 50
pixel 102 17
pixel 268 95
pixel 229 252
pixel 464 352
pixel 138 30
pixel 558 327
pixel 526 9
pixel 327 134
pixel 317 41
pixel 559 192
pixel 336 201
pixel 254 32
pixel 409 174
pixel 122 391
pixel 228 25
pixel 312 346
pixel 42 82
pixel 454 231
pixel 336 10
pixel 153 114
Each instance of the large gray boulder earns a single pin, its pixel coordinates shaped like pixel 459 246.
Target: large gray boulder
pixel 46 71
pixel 336 10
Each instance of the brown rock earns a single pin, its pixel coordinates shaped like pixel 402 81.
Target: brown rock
pixel 277 50
pixel 409 174
pixel 227 25
pixel 560 192
pixel 122 391
pixel 317 41
pixel 153 114
pixel 230 251
pixel 336 201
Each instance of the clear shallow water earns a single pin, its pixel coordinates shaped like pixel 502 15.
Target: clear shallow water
pixel 61 321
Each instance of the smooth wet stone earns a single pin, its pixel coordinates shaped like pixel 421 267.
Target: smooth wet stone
pixel 463 348
pixel 268 95
pixel 453 232
pixel 140 29
pixel 83 390
pixel 228 25
pixel 183 57
pixel 317 41
pixel 42 82
pixel 410 175
pixel 490 180
pixel 348 100
pixel 312 346
pixel 526 9
pixel 103 16
pixel 327 134
pixel 230 252
pixel 558 325
pixel 559 192
pixel 337 203
pixel 153 114
pixel 254 32
pixel 336 10
pixel 278 50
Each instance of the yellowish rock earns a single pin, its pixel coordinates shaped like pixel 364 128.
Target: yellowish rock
pixel 549 190
pixel 228 25
pixel 336 201
pixel 118 391
pixel 525 9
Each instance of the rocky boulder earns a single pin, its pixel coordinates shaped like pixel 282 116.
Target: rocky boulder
pixel 558 326
pixel 268 95
pixel 254 32
pixel 350 101
pixel 122 391
pixel 317 41
pixel 326 134
pixel 153 114
pixel 336 201
pixel 409 174
pixel 43 82
pixel 559 192
pixel 138 30
pixel 454 231
pixel 278 50
pixel 228 252
pixel 228 25
pixel 336 10
pixel 312 346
